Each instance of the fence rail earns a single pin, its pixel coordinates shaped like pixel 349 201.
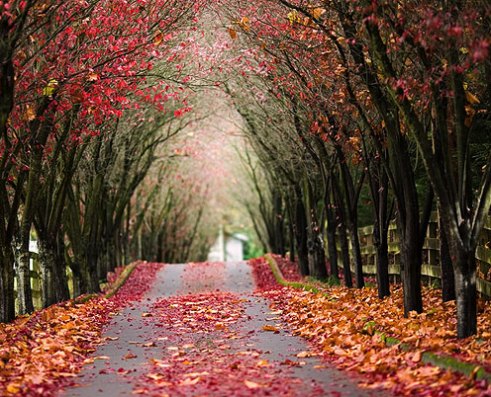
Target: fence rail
pixel 431 257
pixel 431 253
pixel 36 281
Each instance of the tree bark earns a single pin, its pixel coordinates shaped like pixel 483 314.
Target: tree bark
pixel 411 259
pixel 79 286
pixel 47 261
pixel 90 269
pixel 331 242
pixel 24 291
pixel 356 251
pixel 317 257
pixel 343 242
pixel 343 236
pixel 279 240
pixel 291 242
pixel 382 247
pixel 7 300
pixel 448 278
pixel 301 237
pixel 466 293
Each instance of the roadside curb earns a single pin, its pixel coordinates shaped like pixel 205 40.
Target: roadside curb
pixel 121 280
pixel 113 288
pixel 474 371
pixel 285 283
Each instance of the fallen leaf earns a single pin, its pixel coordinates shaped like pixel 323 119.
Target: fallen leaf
pixel 232 33
pixel 416 357
pixel 154 376
pixel 189 381
pixel 290 363
pixel 159 37
pixel 101 358
pixel 12 388
pixel 271 328
pixel 252 385
pixel 474 372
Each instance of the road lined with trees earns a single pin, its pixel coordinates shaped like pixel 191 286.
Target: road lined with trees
pixel 84 86
pixel 355 112
pixel 389 99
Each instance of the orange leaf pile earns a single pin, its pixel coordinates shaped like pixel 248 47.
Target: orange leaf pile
pixel 43 352
pixel 349 327
pixel 48 348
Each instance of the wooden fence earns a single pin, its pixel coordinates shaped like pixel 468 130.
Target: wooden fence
pixel 431 253
pixel 431 258
pixel 36 281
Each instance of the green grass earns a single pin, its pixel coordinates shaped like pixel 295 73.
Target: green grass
pixel 306 286
pixel 453 364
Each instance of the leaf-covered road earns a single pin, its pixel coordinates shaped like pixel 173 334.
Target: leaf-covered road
pixel 200 331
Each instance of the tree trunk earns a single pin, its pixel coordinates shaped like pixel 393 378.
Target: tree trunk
pixel 331 243
pixel 279 240
pixel 301 238
pixel 343 236
pixel 380 235
pixel 410 228
pixel 343 242
pixel 102 262
pixel 91 271
pixel 53 272
pixel 291 242
pixel 111 257
pixel 7 299
pixel 356 251
pixel 7 80
pixel 47 261
pixel 448 278
pixel 24 291
pixel 466 292
pixel 79 286
pixel 61 279
pixel 317 257
pixel 411 259
pixel 302 252
pixel 382 247
pixel 92 280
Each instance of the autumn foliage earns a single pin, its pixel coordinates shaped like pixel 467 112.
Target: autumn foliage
pixel 43 352
pixel 370 107
pixel 208 353
pixel 356 331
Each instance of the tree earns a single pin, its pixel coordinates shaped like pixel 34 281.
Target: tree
pixel 67 69
pixel 441 111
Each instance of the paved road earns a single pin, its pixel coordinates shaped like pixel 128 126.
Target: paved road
pixel 113 374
